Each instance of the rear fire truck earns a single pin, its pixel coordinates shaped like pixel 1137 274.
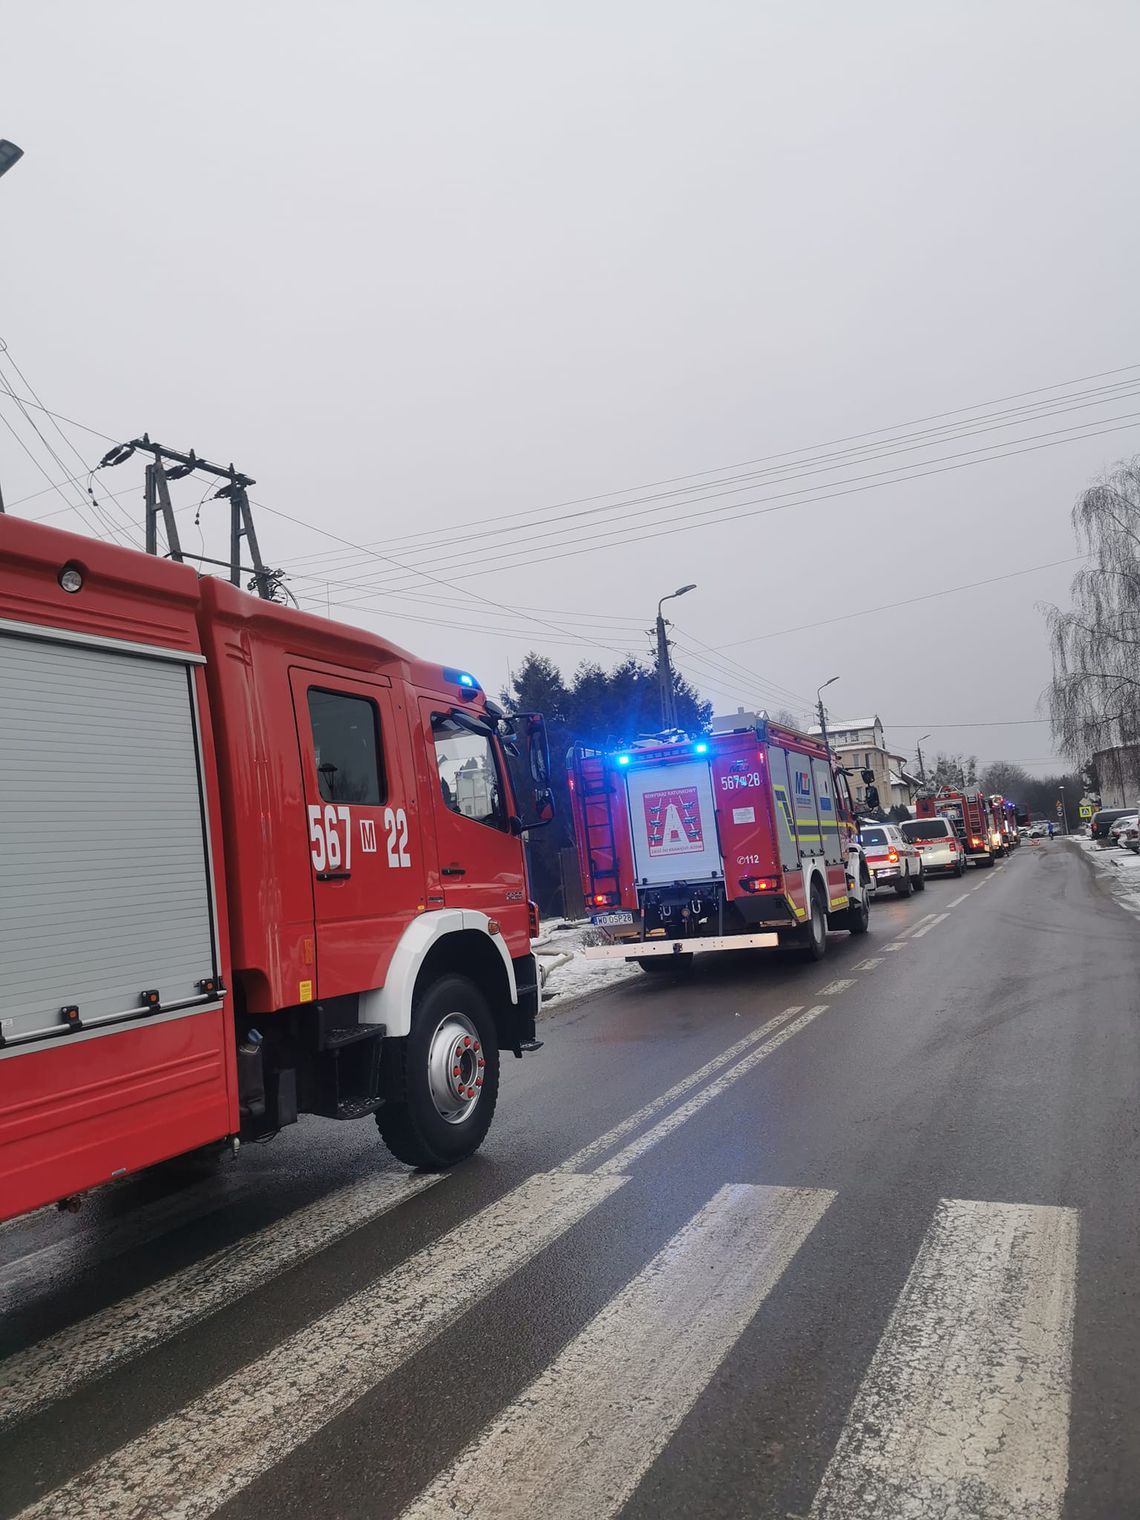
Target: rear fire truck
pixel 736 840
pixel 972 818
pixel 256 864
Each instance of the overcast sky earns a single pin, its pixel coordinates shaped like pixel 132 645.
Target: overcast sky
pixel 419 266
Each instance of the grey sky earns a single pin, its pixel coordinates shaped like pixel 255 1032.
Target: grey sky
pixel 425 264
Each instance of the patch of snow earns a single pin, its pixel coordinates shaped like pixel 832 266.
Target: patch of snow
pixel 1120 868
pixel 565 972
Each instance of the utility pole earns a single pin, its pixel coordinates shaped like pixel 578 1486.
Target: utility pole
pixel 823 713
pixel 921 761
pixel 664 669
pixel 171 464
pixel 1064 809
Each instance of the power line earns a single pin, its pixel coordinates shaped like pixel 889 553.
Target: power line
pixel 620 537
pixel 807 449
pixel 553 536
pixel 910 601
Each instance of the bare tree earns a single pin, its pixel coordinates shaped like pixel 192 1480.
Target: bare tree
pixel 1094 697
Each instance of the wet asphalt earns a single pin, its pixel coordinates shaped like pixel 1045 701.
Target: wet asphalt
pixel 995 1056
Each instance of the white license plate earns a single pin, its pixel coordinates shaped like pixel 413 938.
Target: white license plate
pixel 616 916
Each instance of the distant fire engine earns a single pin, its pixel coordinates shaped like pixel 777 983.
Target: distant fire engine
pixel 736 840
pixel 972 817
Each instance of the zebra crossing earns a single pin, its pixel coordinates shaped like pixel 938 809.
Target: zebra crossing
pixel 963 1408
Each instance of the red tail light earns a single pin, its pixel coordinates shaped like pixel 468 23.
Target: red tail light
pixel 977 843
pixel 760 883
pixel 602 899
pixel 533 919
pixel 892 856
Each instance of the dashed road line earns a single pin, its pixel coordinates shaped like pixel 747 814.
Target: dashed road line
pixel 907 933
pixel 637 1148
pixel 581 1159
pixel 958 900
pixel 578 1441
pixel 899 944
pixel 833 989
pixel 933 924
pixel 870 963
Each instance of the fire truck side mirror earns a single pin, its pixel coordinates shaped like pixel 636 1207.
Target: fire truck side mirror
pixel 533 793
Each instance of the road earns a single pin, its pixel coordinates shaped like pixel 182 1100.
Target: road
pixel 836 1241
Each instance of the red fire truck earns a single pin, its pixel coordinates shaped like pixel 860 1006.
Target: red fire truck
pixel 972 818
pixel 255 864
pixel 735 840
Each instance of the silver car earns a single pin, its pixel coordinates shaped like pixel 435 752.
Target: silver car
pixel 937 843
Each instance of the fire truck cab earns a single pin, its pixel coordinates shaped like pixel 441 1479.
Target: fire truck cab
pixel 256 864
pixel 736 840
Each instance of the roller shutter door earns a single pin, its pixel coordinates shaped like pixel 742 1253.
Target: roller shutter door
pixel 104 883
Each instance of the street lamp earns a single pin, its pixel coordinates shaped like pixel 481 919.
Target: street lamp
pixel 921 761
pixel 664 670
pixel 1064 809
pixel 9 154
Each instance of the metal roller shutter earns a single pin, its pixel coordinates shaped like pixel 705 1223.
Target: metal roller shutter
pixel 104 886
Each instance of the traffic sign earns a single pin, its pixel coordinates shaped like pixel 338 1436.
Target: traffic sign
pixel 1060 810
pixel 1085 810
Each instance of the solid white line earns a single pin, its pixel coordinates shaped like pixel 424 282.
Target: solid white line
pixel 192 1462
pixel 870 963
pixel 964 1410
pixel 88 1246
pixel 607 1141
pixel 833 989
pixel 933 924
pixel 666 1126
pixel 91 1347
pixel 577 1442
pixel 958 900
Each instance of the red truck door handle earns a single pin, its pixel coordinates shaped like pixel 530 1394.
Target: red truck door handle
pixel 453 871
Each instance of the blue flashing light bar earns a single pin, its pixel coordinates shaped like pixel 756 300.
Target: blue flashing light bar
pixel 623 759
pixel 455 677
pixel 701 748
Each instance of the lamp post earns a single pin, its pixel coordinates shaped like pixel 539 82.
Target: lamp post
pixel 1064 809
pixel 921 761
pixel 9 154
pixel 664 669
pixel 819 691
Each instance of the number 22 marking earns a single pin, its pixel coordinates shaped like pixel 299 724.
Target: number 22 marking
pixel 396 823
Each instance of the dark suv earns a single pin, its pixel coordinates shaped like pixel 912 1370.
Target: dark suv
pixel 1103 821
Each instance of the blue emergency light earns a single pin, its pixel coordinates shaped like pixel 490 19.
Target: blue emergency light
pixel 623 759
pixel 700 749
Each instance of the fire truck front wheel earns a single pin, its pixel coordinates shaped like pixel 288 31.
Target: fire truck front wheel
pixel 858 918
pixel 447 1079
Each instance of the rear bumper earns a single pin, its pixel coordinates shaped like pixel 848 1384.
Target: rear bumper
pixel 640 950
pixel 940 860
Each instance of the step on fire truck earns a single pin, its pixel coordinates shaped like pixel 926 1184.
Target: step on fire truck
pixel 736 840
pixel 256 864
pixel 972 818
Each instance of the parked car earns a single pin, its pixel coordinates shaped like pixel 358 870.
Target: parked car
pixel 893 860
pixel 938 845
pixel 1116 829
pixel 1103 821
pixel 1130 835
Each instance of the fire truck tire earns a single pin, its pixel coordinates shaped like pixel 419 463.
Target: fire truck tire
pixel 920 881
pixel 815 933
pixel 448 1078
pixel 858 917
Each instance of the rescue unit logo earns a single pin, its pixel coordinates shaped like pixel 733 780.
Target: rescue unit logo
pixel 803 788
pixel 673 822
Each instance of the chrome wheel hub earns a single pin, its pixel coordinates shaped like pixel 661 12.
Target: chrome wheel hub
pixel 456 1064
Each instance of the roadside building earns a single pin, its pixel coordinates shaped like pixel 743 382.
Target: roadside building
pixel 1118 770
pixel 859 744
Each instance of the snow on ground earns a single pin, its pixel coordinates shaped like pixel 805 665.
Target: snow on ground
pixel 1120 868
pixel 564 969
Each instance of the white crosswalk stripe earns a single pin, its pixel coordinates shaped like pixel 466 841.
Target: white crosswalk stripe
pixel 192 1462
pixel 964 1411
pixel 63 1362
pixel 576 1444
